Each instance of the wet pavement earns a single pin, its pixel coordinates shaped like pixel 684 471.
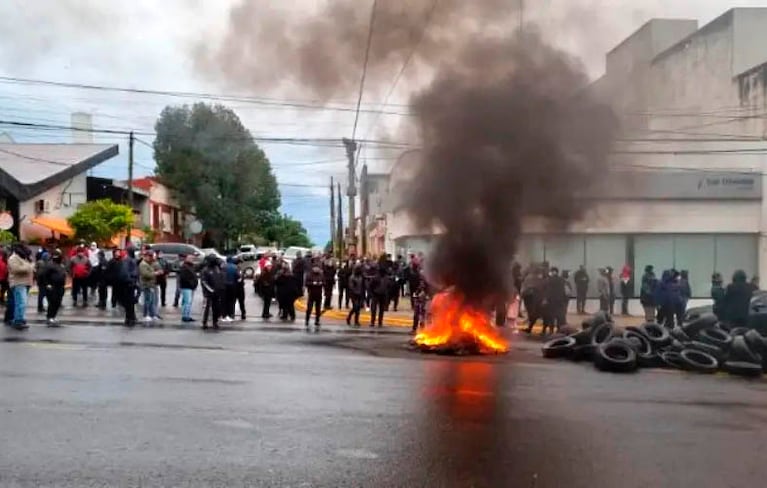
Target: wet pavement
pixel 108 406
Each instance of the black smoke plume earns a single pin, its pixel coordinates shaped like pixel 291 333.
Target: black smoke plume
pixel 510 130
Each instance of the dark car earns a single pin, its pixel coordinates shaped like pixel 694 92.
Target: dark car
pixel 757 311
pixel 172 250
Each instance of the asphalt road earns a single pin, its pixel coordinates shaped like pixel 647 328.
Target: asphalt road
pixel 91 406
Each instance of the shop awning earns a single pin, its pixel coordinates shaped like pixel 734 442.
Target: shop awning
pixel 56 225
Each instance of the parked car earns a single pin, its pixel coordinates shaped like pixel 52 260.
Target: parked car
pixel 171 251
pixel 248 264
pixel 211 251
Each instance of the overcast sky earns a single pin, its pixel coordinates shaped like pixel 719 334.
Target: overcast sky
pixel 151 44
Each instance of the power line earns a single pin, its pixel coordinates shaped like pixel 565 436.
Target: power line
pixel 197 95
pixel 365 67
pixel 406 63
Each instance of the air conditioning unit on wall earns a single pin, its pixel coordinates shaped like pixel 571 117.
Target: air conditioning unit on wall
pixel 42 206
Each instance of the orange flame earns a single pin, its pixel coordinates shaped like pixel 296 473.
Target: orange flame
pixel 455 324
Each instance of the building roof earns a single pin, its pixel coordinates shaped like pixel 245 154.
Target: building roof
pixel 145 183
pixel 27 170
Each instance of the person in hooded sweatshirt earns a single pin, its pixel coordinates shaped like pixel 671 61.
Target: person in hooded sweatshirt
pixel 737 300
pixel 647 293
pixel 20 277
pixel 555 299
pixel 379 296
pixel 287 289
pixel 95 275
pixel 356 293
pixel 627 289
pixel 265 288
pixel 187 283
pixel 213 288
pixel 669 298
pixel 314 285
pixel 231 276
pixel 80 269
pixel 717 294
pixel 53 276
pixel 42 259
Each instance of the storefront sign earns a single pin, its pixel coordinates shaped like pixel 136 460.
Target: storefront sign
pixel 684 185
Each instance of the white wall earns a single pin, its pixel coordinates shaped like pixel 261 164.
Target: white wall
pixel 63 202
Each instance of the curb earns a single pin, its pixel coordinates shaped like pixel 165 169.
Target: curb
pixel 364 316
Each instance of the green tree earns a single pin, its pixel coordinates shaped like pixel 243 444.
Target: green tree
pixel 100 220
pixel 286 231
pixel 214 167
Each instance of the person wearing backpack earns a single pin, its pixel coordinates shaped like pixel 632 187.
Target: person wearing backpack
pixel 80 270
pixel 53 277
pixel 379 296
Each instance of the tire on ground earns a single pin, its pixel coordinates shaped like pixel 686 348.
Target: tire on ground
pixel 657 334
pixel 699 361
pixel 582 352
pixel 755 341
pixel 738 331
pixel 716 337
pixel 582 338
pixel 672 359
pixel 742 368
pixel 694 326
pixel 679 334
pixel 602 333
pixel 558 348
pixel 718 353
pixel 741 352
pixel 615 356
pixel 642 344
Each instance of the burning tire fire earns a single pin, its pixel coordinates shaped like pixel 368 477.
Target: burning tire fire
pixel 456 327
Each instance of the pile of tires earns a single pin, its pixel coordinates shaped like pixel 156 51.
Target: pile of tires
pixel 700 345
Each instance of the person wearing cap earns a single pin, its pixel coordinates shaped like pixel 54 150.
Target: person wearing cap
pixel 53 277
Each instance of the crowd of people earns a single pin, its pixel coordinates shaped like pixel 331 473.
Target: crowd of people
pixel 546 294
pixel 376 285
pixel 138 279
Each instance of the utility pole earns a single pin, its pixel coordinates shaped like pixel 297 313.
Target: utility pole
pixel 365 204
pixel 340 230
pixel 333 243
pixel 130 187
pixel 351 191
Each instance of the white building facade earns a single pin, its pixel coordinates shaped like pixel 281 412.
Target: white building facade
pixel 687 187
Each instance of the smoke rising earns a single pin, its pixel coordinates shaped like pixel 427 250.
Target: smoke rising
pixel 509 128
pixel 510 132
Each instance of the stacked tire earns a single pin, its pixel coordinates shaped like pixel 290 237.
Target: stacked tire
pixel 700 345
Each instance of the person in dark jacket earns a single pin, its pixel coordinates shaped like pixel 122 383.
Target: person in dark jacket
pixel 393 294
pixel 717 294
pixel 110 275
pixel 231 277
pixel 329 278
pixel 647 293
pixel 554 301
pixel 737 300
pixel 669 298
pixel 53 277
pixel 265 289
pixel 379 296
pixel 187 282
pixel 581 279
pixel 299 271
pixel 420 297
pixel 685 292
pixel 286 286
pixel 162 279
pixel 42 259
pixel 356 294
pixel 344 274
pixel 126 283
pixel 314 286
pixel 101 277
pixel 213 288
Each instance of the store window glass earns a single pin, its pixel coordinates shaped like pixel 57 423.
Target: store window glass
pixel 735 252
pixel 602 251
pixel 695 253
pixel 655 250
pixel 565 252
pixel 530 250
